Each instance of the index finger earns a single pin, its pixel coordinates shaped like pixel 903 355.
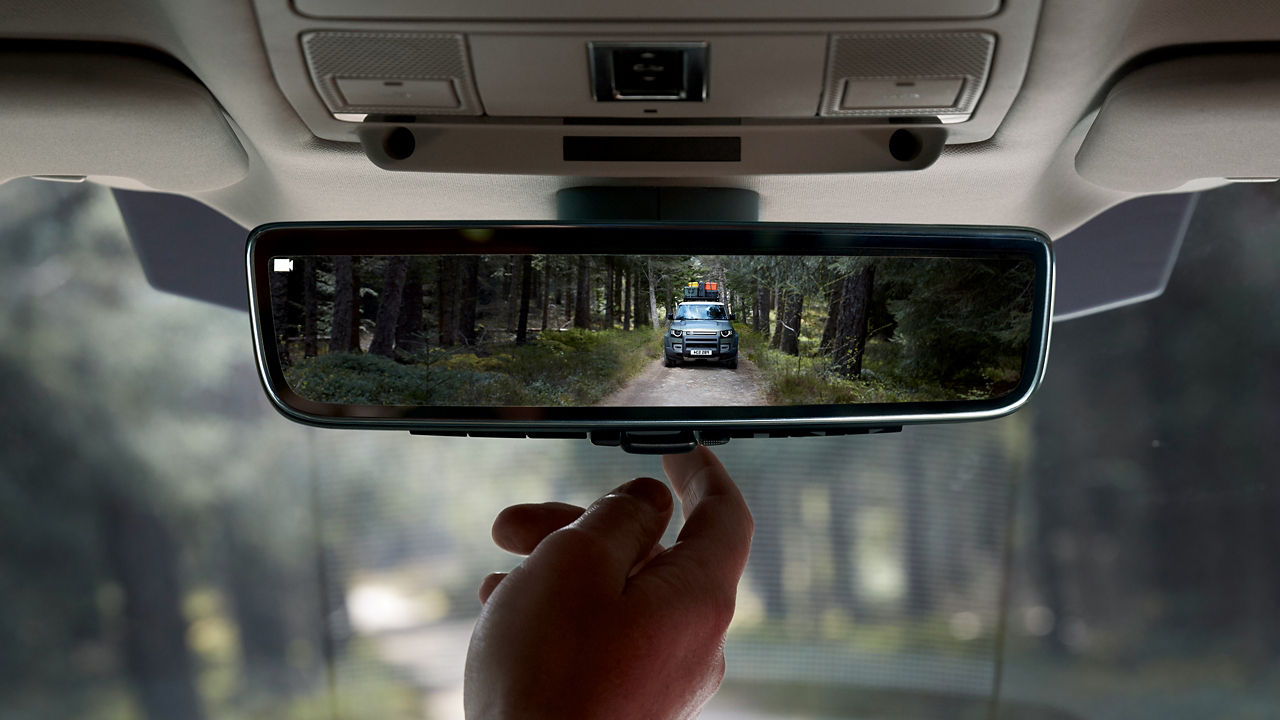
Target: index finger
pixel 716 538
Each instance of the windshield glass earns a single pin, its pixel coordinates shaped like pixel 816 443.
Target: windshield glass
pixel 170 547
pixel 701 312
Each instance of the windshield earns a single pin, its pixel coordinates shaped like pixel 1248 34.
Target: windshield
pixel 170 547
pixel 701 312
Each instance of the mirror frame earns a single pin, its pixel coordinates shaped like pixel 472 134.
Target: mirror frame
pixel 549 238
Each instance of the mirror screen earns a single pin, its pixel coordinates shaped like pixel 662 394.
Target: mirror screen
pixel 650 330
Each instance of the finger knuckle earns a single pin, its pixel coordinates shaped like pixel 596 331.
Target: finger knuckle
pixel 719 608
pixel 576 544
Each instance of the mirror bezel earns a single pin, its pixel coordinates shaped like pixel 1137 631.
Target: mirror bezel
pixel 406 238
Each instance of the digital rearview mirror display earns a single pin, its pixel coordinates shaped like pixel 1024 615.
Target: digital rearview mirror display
pixel 650 330
pixel 583 326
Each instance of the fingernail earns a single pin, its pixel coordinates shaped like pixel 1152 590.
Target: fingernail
pixel 651 492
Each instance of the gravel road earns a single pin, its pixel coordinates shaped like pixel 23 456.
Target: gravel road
pixel 696 384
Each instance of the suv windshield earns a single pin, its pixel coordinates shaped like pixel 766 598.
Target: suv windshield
pixel 701 312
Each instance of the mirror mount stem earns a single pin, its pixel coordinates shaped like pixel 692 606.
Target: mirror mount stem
pixel 657 204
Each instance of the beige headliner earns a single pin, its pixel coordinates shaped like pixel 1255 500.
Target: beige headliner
pixel 1025 175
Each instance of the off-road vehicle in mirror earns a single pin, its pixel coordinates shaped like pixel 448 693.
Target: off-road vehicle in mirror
pixel 701 328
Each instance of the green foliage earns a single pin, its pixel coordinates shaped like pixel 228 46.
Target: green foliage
pixel 810 380
pixel 567 368
pixel 961 322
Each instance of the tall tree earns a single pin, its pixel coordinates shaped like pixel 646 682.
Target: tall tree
pixel 384 327
pixel 760 319
pixel 625 283
pixel 280 313
pixel 843 534
pixel 468 297
pixel 851 331
pixel 775 301
pixel 409 329
pixel 526 290
pixel 653 300
pixel 582 299
pixel 511 292
pixel 447 301
pixel 344 332
pixel 613 281
pixel 789 343
pixel 546 290
pixel 635 301
pixel 310 309
pixel 832 287
pixel 257 587
pixel 141 551
pixel 919 599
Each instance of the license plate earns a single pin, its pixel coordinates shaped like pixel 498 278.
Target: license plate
pixel 700 352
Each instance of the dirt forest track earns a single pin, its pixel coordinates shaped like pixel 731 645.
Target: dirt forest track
pixel 693 384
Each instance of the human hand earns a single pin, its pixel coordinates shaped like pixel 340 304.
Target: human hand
pixel 600 621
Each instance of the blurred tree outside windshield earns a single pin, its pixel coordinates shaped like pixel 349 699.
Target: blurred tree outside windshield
pixel 170 547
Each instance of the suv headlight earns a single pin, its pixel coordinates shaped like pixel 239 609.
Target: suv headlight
pixel 726 333
pixel 676 333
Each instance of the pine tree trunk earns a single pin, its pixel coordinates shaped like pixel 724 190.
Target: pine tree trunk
pixel 409 331
pixel 625 283
pixel 582 304
pixel 384 327
pixel 142 555
pixel 760 322
pixel 468 297
pixel 526 290
pixel 777 302
pixel 612 279
pixel 653 300
pixel 546 292
pixel 833 321
pixel 843 532
pixel 344 333
pixel 446 301
pixel 790 343
pixel 280 314
pixel 635 302
pixel 851 331
pixel 310 309
pixel 512 295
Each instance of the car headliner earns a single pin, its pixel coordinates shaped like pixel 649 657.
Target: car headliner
pixel 1025 175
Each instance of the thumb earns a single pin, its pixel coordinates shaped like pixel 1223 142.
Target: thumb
pixel 616 533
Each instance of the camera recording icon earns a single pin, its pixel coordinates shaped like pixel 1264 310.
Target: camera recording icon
pixel 282 265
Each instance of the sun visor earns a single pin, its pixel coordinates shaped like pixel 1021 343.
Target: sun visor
pixel 1177 121
pixel 121 116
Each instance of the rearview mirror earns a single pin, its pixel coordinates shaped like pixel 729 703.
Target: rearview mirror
pixel 555 330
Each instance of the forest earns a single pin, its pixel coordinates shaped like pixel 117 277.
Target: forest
pixel 170 547
pixel 562 330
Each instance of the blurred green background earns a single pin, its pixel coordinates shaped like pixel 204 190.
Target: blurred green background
pixel 172 548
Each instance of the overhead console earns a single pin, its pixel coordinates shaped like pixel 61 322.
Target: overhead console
pixel 665 88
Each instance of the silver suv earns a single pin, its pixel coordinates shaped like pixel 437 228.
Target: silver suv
pixel 701 331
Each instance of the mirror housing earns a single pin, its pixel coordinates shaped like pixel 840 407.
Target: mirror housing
pixel 508 380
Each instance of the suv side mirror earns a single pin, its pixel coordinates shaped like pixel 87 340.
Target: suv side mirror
pixel 670 317
pixel 731 317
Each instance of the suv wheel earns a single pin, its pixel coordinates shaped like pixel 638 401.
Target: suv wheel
pixel 732 364
pixel 668 361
